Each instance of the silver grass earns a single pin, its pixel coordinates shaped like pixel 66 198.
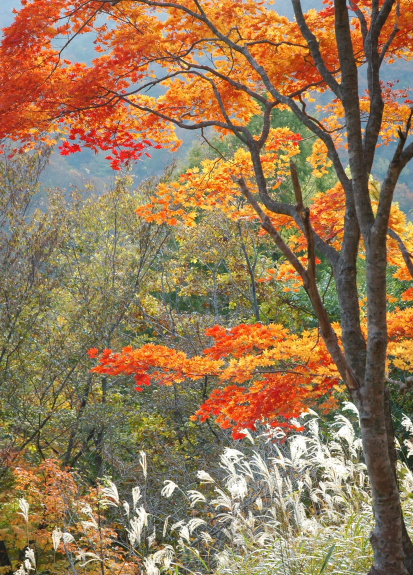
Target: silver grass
pixel 67 538
pixel 164 557
pixel 110 494
pixel 205 477
pixel 136 495
pixel 169 488
pixel 165 526
pixel 88 557
pixel 24 509
pixel 195 497
pixel 151 539
pixel 194 523
pixel 143 463
pixel 56 538
pixel 29 554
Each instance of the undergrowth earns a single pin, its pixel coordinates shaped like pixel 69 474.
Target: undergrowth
pixel 286 506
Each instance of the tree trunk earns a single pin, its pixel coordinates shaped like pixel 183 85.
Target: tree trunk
pixel 5 563
pixel 407 548
pixel 100 437
pixel 389 538
pixel 407 543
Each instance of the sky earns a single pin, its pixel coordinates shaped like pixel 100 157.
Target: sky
pixel 6 11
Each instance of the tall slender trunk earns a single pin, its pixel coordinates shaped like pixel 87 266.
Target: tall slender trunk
pixel 100 437
pixel 393 549
pixel 387 535
pixel 375 420
pixel 406 541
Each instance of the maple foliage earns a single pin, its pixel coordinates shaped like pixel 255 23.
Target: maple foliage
pixel 51 498
pixel 64 101
pixel 49 491
pixel 286 373
pixel 303 371
pixel 104 105
pixel 214 184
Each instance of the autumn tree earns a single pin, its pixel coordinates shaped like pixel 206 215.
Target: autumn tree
pixel 73 273
pixel 81 271
pixel 219 64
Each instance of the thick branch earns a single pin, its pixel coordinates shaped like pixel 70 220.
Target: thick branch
pixel 351 103
pixel 380 20
pixel 269 227
pixel 297 187
pixel 375 59
pixel 266 125
pixel 305 215
pixel 361 18
pixel 287 209
pixel 328 334
pixel 407 256
pixel 403 385
pixel 315 49
pixel 406 156
pixel 400 158
pixel 392 36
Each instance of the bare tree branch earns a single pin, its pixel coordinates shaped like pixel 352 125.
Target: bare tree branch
pixel 400 158
pixel 407 256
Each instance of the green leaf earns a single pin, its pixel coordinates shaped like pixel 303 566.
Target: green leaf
pixel 327 559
